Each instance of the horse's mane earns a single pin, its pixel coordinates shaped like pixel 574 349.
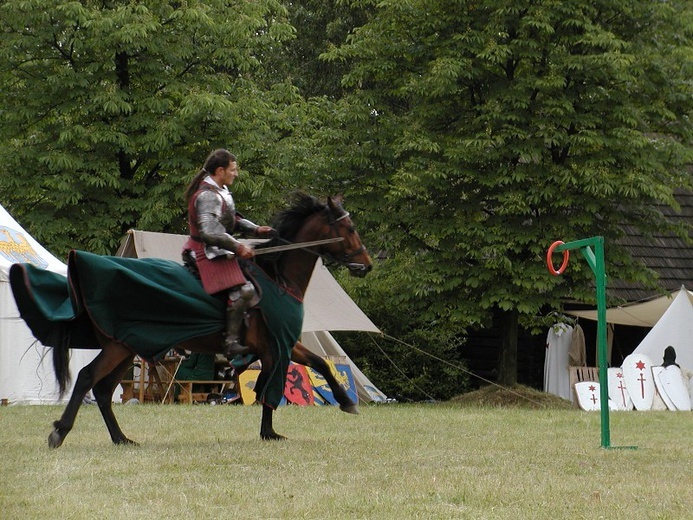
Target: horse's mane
pixel 288 222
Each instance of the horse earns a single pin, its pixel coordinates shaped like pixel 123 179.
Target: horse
pixel 287 272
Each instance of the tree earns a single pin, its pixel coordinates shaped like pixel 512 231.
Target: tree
pixel 320 25
pixel 108 108
pixel 478 133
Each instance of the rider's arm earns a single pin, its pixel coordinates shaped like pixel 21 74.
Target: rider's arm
pixel 246 226
pixel 212 232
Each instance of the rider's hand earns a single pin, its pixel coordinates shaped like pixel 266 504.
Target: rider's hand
pixel 244 251
pixel 265 231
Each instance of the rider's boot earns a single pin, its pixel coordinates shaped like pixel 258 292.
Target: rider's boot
pixel 239 300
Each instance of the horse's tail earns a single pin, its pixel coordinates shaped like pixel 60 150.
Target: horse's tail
pixel 61 363
pixel 32 306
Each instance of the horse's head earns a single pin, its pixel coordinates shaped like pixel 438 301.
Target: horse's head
pixel 307 220
pixel 350 251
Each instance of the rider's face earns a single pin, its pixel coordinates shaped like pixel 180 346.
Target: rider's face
pixel 227 175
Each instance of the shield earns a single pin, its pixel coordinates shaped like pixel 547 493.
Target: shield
pixel 618 394
pixel 675 388
pixel 588 395
pixel 637 373
pixel 659 385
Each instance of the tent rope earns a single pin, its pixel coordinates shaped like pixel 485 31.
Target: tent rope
pixel 445 361
pixel 400 370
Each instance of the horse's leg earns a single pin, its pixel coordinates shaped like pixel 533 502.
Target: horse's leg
pixel 267 432
pixel 103 392
pixel 102 365
pixel 256 338
pixel 300 354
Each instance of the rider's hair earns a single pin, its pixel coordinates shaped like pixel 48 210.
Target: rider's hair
pixel 218 158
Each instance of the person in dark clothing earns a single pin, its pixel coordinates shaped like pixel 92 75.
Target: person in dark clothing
pixel 196 367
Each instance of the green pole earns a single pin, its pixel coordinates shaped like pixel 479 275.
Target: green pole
pixel 595 259
pixel 600 274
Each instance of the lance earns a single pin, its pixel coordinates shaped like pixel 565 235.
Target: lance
pixel 299 245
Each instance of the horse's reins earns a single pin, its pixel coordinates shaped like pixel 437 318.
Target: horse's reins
pixel 344 260
pixel 296 245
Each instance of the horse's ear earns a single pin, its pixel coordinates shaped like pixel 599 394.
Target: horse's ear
pixel 335 202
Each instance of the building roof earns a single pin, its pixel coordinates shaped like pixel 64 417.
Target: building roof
pixel 666 254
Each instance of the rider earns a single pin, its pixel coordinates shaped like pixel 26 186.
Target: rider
pixel 211 248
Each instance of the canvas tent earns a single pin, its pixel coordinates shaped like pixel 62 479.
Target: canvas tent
pixel 643 314
pixel 327 307
pixel 26 372
pixel 671 319
pixel 674 328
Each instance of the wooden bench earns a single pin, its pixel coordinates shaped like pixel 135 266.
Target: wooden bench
pixel 128 386
pixel 145 395
pixel 186 396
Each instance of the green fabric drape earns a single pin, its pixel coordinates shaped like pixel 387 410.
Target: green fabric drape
pixel 283 313
pixel 149 304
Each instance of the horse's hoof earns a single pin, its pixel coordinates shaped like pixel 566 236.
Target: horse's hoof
pixel 272 437
pixel 126 442
pixel 350 408
pixel 55 440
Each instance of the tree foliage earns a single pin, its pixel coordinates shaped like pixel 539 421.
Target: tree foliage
pixel 466 136
pixel 108 108
pixel 484 131
pixel 319 25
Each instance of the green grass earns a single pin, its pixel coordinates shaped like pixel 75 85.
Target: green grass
pixel 392 461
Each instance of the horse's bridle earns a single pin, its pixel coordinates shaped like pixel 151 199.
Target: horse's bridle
pixel 345 258
pixel 328 258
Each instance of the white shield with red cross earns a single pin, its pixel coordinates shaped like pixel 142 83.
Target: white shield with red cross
pixel 637 372
pixel 618 393
pixel 588 395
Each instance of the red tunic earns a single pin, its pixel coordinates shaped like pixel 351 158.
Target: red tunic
pixel 220 273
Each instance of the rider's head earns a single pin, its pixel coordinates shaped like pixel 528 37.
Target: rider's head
pixel 218 158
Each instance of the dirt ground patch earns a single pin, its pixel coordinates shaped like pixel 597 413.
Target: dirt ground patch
pixel 518 396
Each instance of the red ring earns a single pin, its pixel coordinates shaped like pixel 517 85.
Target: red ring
pixel 549 262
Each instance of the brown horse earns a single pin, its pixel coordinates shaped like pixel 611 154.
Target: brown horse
pixel 307 220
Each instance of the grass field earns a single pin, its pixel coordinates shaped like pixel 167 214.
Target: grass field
pixel 398 461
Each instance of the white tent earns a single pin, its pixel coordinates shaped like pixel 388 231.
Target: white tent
pixel 26 367
pixel 671 319
pixel 674 328
pixel 643 314
pixel 327 307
